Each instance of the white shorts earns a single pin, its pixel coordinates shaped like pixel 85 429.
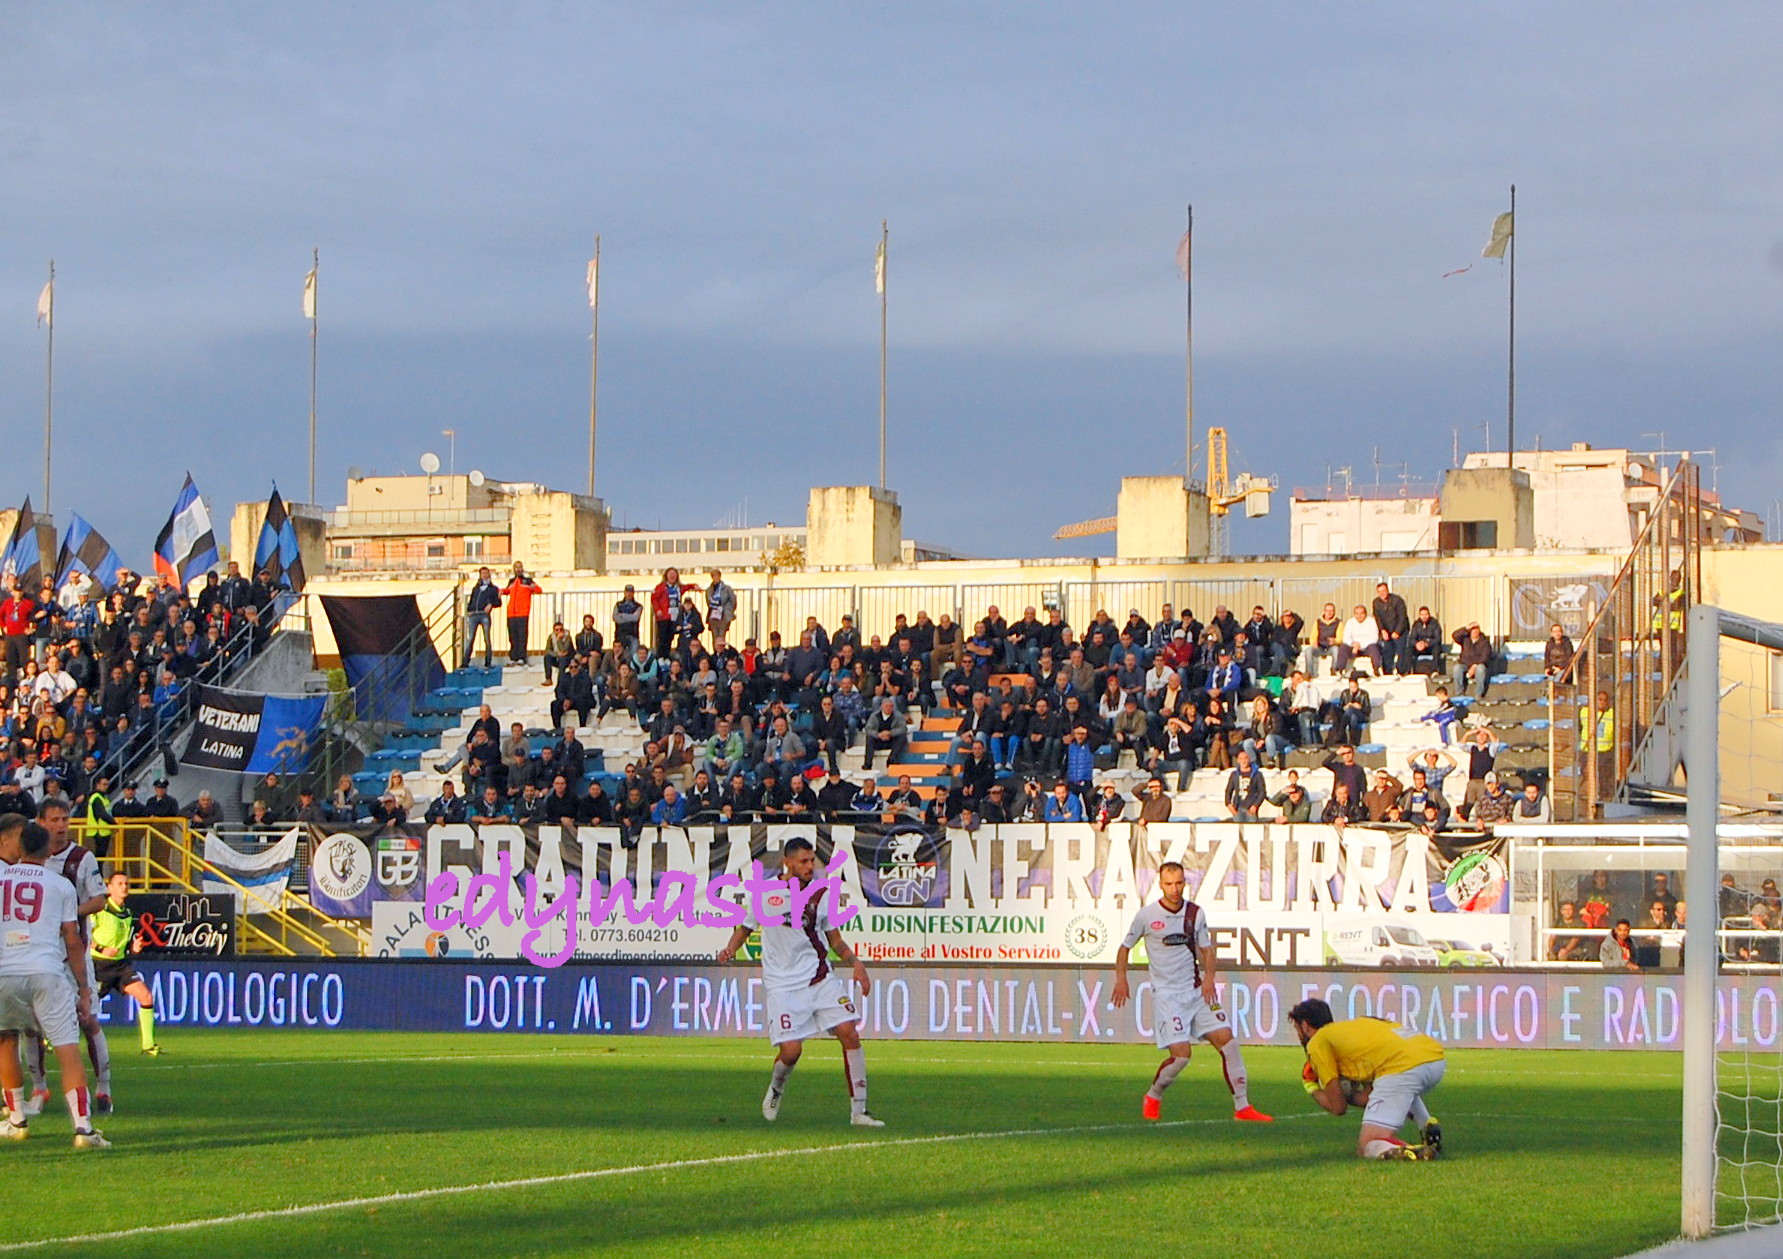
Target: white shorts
pixel 46 1003
pixel 801 1013
pixel 1391 1101
pixel 1177 1017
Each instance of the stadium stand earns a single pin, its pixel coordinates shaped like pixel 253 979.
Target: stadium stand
pixel 646 719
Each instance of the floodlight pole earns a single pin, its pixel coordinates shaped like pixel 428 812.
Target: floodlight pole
pixel 1702 752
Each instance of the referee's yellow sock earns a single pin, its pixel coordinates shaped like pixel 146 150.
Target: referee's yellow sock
pixel 145 1023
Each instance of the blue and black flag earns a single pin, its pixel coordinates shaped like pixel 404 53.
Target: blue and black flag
pixel 85 550
pixel 387 652
pixel 277 548
pixel 23 558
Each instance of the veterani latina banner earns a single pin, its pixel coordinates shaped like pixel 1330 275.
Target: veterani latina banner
pixel 251 733
pixel 1275 895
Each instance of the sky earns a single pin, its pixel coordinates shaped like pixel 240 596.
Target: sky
pixel 454 162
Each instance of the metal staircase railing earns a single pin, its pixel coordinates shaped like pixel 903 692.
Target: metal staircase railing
pixel 158 856
pixel 155 739
pixel 1629 656
pixel 345 737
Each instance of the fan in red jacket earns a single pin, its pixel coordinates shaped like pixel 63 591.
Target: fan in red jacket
pixel 18 618
pixel 665 606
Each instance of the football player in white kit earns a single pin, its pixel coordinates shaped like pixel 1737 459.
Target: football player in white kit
pixel 804 995
pixel 81 868
pixel 43 979
pixel 1185 1007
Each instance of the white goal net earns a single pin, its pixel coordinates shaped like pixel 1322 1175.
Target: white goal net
pixel 1733 990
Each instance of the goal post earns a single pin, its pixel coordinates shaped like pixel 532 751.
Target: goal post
pixel 1702 812
pixel 1753 1088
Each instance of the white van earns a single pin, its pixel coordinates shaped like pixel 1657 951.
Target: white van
pixel 1377 943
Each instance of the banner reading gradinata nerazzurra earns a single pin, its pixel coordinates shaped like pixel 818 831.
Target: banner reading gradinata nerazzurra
pixel 1286 896
pixel 250 733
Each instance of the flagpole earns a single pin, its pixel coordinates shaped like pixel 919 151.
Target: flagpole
pixel 315 269
pixel 884 242
pixel 49 387
pixel 1189 352
pixel 1511 397
pixel 594 365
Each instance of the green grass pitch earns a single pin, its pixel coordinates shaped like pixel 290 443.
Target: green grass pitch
pixel 991 1149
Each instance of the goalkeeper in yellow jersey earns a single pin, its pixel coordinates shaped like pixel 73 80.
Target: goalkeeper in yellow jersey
pixel 114 940
pixel 1380 1066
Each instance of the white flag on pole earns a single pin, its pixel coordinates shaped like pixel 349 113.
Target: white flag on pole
pixel 1501 236
pixel 1182 256
pixel 594 281
pixel 46 306
pixel 879 268
pixel 309 294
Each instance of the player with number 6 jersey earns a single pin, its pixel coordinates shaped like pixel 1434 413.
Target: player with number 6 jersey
pixel 1185 1001
pixel 804 995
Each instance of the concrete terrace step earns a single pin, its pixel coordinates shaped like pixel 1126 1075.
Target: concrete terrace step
pixel 920 770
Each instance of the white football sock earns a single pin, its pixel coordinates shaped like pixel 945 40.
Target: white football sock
pixel 854 1065
pixel 782 1070
pixel 1232 1062
pixel 77 1109
pixel 1380 1149
pixel 99 1053
pixel 1166 1076
pixel 34 1060
pixel 1420 1112
pixel 15 1104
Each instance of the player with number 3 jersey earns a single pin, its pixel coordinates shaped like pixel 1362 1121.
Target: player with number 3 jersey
pixel 1185 1004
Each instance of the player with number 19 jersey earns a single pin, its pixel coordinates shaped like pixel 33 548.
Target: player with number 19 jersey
pixel 36 987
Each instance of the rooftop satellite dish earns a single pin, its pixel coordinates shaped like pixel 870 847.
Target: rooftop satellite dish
pixel 430 463
pixel 477 477
pixel 355 473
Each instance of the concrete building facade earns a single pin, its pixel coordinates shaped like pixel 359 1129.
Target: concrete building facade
pixel 1578 498
pixel 443 523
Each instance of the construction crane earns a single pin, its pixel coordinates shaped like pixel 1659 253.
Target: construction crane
pixel 1086 528
pixel 1223 493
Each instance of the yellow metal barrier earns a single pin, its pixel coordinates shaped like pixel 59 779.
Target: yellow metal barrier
pixel 158 856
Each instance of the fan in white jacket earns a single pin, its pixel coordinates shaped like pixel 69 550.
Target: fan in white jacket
pixel 1360 636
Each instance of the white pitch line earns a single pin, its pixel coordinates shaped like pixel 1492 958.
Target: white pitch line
pixel 602 1173
pixel 1661 1119
pixel 336 1062
pixel 636 1052
pixel 620 1054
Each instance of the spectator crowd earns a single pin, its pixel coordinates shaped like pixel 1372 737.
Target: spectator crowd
pixel 91 677
pixel 743 730
pixel 1631 920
